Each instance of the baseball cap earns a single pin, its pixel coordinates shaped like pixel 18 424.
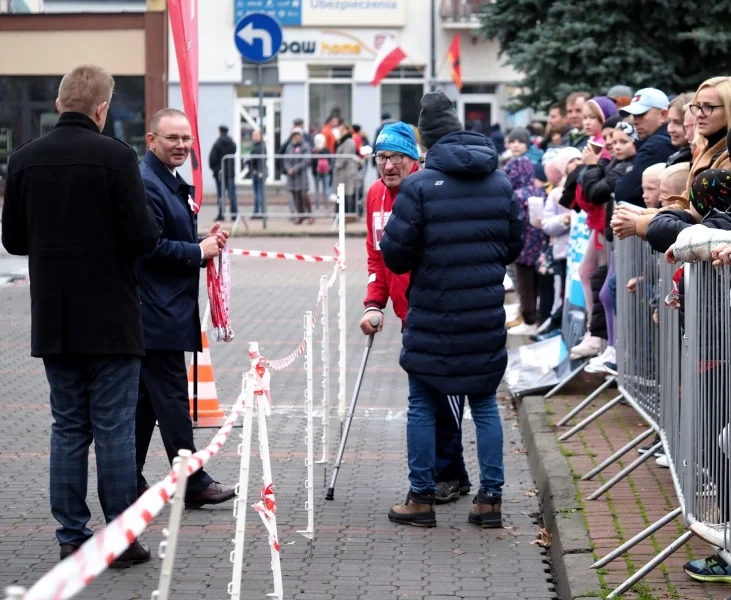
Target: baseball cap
pixel 645 99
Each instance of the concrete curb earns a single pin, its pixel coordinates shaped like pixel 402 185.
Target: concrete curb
pixel 571 552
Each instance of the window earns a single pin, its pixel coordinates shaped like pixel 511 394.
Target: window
pixel 28 111
pixel 329 99
pixel 402 100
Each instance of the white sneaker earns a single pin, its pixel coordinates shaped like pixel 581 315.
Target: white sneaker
pixel 589 346
pixel 508 284
pixel 662 461
pixel 523 329
pixel 598 363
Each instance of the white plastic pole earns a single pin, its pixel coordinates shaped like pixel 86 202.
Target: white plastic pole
pixel 342 323
pixel 267 468
pixel 170 535
pixel 14 592
pixel 324 318
pixel 242 489
pixel 309 533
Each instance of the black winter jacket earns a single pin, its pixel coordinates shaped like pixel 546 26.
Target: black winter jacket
pixel 455 225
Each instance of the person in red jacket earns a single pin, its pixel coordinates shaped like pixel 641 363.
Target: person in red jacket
pixel 397 156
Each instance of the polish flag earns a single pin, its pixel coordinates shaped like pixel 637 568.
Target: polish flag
pixel 387 59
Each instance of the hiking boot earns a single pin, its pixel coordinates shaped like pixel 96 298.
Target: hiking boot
pixel 447 491
pixel 486 511
pixel 418 510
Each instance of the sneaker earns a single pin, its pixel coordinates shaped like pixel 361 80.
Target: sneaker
pixel 418 510
pixel 523 329
pixel 712 570
pixel 486 511
pixel 545 336
pixel 662 461
pixel 447 491
pixel 610 368
pixel 589 346
pixel 596 364
pixel 646 448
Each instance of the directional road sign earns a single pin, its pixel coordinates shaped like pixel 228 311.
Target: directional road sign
pixel 258 37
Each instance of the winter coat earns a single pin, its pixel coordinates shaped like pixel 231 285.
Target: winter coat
pixel 75 205
pixel 258 166
pixel 598 183
pixel 681 156
pixel 455 225
pixel 169 276
pixel 655 149
pixel 345 169
pixel 553 225
pixel 300 181
pixel 382 282
pixel 520 173
pixel 223 146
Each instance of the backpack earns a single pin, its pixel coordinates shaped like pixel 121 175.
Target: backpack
pixel 323 166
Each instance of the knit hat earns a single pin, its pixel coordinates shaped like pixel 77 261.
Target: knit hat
pixel 519 134
pixel 398 137
pixel 606 106
pixel 565 156
pixel 437 118
pixel 711 189
pixel 629 129
pixel 611 122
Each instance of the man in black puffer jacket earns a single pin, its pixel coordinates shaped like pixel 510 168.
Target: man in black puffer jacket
pixel 455 225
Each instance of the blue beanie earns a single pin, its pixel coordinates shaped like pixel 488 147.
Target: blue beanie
pixel 398 137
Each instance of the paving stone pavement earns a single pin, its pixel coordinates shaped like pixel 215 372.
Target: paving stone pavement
pixel 357 553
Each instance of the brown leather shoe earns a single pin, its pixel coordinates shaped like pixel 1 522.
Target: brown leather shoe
pixel 213 494
pixel 136 554
pixel 486 511
pixel 418 510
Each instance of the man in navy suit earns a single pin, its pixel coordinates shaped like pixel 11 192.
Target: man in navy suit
pixel 169 278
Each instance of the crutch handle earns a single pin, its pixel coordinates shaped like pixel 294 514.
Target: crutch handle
pixel 375 320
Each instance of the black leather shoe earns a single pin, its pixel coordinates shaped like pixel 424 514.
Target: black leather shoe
pixel 136 554
pixel 67 550
pixel 213 494
pixel 141 489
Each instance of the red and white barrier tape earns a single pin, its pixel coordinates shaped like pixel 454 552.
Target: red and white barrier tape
pixel 283 363
pixel 219 294
pixel 73 574
pixel 282 255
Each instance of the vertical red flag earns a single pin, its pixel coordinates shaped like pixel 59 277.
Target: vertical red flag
pixel 184 25
pixel 454 54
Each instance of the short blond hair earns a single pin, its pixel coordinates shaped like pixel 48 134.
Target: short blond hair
pixel 655 170
pixel 676 178
pixel 84 88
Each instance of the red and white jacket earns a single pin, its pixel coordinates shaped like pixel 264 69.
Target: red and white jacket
pixel 382 283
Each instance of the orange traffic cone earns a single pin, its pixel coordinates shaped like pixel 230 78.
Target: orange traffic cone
pixel 205 411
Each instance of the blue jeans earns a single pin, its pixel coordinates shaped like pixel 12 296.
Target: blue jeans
pixel 257 184
pixel 421 439
pixel 449 459
pixel 322 191
pixel 92 398
pixel 230 189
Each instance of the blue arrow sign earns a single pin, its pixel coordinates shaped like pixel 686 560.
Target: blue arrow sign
pixel 258 37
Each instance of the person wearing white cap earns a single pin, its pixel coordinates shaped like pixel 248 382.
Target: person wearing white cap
pixel 649 110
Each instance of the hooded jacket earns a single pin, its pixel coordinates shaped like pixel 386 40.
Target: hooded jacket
pixel 455 225
pixel 383 283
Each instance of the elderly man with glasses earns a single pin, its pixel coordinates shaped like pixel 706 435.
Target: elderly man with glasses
pixel 168 290
pixel 397 156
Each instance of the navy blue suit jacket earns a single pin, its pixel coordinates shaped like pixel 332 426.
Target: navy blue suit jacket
pixel 169 276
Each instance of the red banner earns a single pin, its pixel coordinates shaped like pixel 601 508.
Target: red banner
pixel 184 25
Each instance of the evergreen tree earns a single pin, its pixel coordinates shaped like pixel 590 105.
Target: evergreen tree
pixel 567 45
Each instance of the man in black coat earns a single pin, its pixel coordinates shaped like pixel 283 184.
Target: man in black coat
pixel 455 225
pixel 169 279
pixel 75 205
pixel 226 180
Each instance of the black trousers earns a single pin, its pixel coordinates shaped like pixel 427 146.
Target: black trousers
pixel 163 397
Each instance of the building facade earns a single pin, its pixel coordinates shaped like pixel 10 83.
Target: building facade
pixel 325 65
pixel 40 41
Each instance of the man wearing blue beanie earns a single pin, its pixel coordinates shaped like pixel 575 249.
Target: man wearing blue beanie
pixel 396 157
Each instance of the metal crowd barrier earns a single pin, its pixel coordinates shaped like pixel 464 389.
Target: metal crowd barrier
pixel 319 191
pixel 675 372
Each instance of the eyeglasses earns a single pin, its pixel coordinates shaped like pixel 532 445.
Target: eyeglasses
pixel 394 158
pixel 175 139
pixel 705 110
